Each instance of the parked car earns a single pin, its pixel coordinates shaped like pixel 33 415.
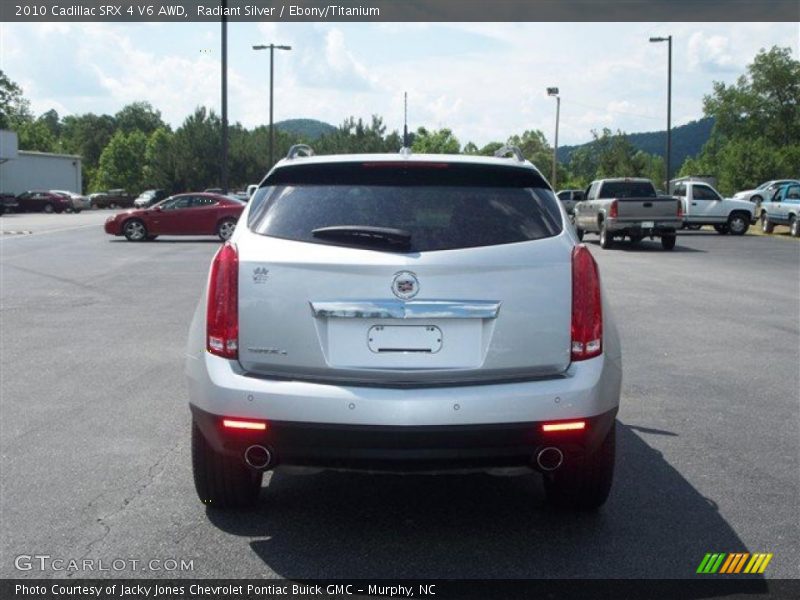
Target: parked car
pixel 213 190
pixel 628 207
pixel 184 214
pixel 569 198
pixel 112 199
pixel 703 205
pixel 149 198
pixel 365 316
pixel 763 191
pixel 783 208
pixel 43 201
pixel 78 201
pixel 8 203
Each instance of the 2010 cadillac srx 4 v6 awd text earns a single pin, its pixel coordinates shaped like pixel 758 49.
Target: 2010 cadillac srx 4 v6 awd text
pixel 411 313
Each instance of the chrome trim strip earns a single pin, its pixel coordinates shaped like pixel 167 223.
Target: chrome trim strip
pixel 415 309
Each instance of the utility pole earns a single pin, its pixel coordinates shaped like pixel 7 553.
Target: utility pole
pixel 553 91
pixel 667 158
pixel 271 48
pixel 224 161
pixel 405 119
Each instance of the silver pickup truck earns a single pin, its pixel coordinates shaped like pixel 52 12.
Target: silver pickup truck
pixel 616 208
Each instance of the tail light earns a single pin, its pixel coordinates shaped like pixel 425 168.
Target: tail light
pixel 587 314
pixel 222 316
pixel 613 212
pixel 680 209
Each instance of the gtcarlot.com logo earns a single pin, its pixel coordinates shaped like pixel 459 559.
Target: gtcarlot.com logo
pixel 45 562
pixel 737 562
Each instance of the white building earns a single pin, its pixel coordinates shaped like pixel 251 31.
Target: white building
pixel 23 170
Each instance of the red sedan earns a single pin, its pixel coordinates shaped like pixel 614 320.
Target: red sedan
pixel 184 214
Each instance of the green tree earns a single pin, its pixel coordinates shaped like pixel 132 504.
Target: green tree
pixel 36 136
pixel 435 142
pixel 87 135
pixel 14 108
pixel 139 116
pixel 756 125
pixel 122 162
pixel 356 135
pixel 197 147
pixel 159 170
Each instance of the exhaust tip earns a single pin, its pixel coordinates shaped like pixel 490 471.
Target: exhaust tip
pixel 258 457
pixel 550 458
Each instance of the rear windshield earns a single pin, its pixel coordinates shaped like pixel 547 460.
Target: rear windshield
pixel 627 189
pixel 442 206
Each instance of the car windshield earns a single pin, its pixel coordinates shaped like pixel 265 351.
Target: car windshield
pixel 441 208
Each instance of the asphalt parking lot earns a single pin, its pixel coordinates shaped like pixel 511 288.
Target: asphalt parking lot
pixel 94 434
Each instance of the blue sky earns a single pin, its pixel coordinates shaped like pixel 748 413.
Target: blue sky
pixel 485 81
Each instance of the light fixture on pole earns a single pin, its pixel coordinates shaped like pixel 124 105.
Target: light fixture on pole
pixel 553 91
pixel 667 39
pixel 271 48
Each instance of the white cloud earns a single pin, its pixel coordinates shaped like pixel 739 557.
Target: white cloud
pixel 485 81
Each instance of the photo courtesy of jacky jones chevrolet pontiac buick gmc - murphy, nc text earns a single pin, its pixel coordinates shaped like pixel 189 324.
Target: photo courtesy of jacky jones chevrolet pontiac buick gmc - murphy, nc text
pixel 411 313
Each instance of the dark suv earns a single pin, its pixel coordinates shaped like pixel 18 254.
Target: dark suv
pixel 112 199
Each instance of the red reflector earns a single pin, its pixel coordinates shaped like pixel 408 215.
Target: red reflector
pixel 222 314
pixel 565 426
pixel 237 424
pixel 587 315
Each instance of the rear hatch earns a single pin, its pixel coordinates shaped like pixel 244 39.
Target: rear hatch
pixel 638 201
pixel 404 273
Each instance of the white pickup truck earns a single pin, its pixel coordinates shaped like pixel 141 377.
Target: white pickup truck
pixel 703 205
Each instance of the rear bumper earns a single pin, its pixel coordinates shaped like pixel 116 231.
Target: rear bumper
pixel 660 227
pixel 404 448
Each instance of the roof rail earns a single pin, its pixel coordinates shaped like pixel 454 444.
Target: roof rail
pixel 405 151
pixel 300 150
pixel 506 150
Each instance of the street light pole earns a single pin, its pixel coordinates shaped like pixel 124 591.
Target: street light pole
pixel 553 91
pixel 271 48
pixel 224 173
pixel 667 39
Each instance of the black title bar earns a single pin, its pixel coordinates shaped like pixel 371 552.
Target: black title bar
pixel 185 11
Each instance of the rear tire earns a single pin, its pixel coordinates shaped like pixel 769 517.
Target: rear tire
pixel 694 227
pixel 222 481
pixel 606 239
pixel 113 205
pixel 766 226
pixel 584 485
pixel 721 229
pixel 48 208
pixel 668 241
pixel 794 226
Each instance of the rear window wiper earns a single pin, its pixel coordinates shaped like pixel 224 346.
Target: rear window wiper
pixel 365 233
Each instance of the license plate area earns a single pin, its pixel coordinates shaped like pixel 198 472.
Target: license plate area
pixel 426 339
pixel 648 224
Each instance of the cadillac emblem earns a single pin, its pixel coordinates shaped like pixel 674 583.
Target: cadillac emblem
pixel 405 285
